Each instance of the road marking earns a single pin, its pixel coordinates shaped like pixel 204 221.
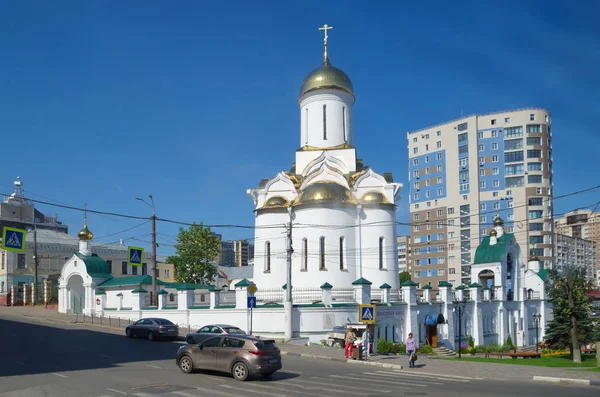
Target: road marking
pixel 116 391
pixel 209 391
pixel 266 385
pixel 418 377
pixel 60 375
pixel 291 372
pixel 401 371
pixel 424 382
pixel 144 395
pixel 339 385
pixel 245 390
pixel 319 388
pixel 370 380
pixel 153 366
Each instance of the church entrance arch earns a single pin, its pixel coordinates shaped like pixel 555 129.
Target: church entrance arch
pixel 486 278
pixel 431 327
pixel 76 294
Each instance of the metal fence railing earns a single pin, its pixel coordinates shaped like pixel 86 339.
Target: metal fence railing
pixel 269 295
pixel 307 295
pixel 342 295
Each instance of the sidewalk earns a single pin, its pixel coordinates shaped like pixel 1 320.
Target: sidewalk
pixel 425 364
pixel 433 366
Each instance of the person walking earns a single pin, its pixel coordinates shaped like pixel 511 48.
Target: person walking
pixel 411 348
pixel 350 338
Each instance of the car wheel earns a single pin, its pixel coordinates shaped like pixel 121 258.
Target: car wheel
pixel 337 343
pixel 240 371
pixel 151 336
pixel 186 365
pixel 267 374
pixel 190 340
pixel 128 333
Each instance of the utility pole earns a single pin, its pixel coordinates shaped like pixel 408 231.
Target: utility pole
pixel 35 266
pixel 288 304
pixel 154 300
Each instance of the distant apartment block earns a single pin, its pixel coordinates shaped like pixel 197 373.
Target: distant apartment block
pixel 576 251
pixel 583 224
pixel 464 173
pixel 236 253
pixel 403 253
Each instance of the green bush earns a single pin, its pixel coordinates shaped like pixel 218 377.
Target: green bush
pixel 399 348
pixel 480 349
pixel 425 349
pixel 509 341
pixel 471 341
pixel 492 348
pixel 384 346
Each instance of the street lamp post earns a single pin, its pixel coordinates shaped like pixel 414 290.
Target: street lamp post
pixel 460 309
pixel 536 320
pixel 153 265
pixel 35 262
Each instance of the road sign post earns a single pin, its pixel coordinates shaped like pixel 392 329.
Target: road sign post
pixel 13 239
pixel 252 288
pixel 367 314
pixel 135 256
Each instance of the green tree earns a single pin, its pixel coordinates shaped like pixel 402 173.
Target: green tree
pixel 571 307
pixel 404 276
pixel 196 248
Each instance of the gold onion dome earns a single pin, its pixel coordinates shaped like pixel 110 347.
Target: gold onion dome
pixel 498 221
pixel 493 233
pixel 85 234
pixel 374 198
pixel 327 76
pixel 325 192
pixel 277 202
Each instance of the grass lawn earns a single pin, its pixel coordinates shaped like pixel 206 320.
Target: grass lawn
pixel 559 361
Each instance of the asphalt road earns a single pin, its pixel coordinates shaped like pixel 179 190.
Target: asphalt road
pixel 67 360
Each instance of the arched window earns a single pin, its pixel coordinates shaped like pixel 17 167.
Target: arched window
pixel 268 256
pixel 381 253
pixel 306 127
pixel 202 298
pixel 171 297
pixel 322 254
pixel 342 264
pixel 325 122
pixel 304 254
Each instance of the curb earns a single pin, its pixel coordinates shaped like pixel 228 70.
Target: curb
pixel 343 360
pixel 566 381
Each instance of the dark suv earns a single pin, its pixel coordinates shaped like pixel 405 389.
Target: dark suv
pixel 240 355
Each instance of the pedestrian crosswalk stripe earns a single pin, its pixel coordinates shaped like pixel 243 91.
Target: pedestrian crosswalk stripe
pixel 371 381
pixel 431 375
pixel 341 385
pixel 286 389
pixel 209 392
pixel 245 390
pixel 322 387
pixel 423 382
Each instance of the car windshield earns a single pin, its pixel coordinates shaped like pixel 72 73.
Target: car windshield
pixel 265 345
pixel 162 321
pixel 234 330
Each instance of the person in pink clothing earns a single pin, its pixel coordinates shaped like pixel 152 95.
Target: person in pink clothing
pixel 411 348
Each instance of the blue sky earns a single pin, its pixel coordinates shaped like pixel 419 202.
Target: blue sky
pixel 194 102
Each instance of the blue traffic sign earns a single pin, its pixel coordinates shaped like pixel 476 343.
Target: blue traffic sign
pixel 13 239
pixel 251 302
pixel 367 313
pixel 136 256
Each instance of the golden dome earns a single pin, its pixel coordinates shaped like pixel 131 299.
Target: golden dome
pixel 277 202
pixel 498 221
pixel 374 198
pixel 85 234
pixel 327 76
pixel 493 233
pixel 325 192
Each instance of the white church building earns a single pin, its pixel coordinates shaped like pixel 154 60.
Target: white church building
pixel 340 217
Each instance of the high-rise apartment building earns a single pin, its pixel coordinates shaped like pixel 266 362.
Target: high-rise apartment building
pixel 465 173
pixel 576 251
pixel 236 253
pixel 403 243
pixel 583 224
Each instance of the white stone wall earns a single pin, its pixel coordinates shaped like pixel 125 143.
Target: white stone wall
pixel 311 120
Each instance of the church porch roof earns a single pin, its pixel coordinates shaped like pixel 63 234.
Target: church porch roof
pixel 487 253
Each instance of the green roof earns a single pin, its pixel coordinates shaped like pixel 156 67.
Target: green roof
pixel 487 253
pixel 460 287
pixel 284 286
pixel 444 284
pixel 162 292
pixel 326 286
pixel 243 283
pixel 95 266
pixel 140 290
pixel 100 291
pixel 130 280
pixel 543 274
pixel 385 286
pixel 409 283
pixel 427 286
pixel 474 285
pixel 362 281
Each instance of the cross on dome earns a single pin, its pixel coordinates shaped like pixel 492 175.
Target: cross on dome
pixel 325 28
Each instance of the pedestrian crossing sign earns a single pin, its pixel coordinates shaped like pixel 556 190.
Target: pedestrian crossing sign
pixel 13 239
pixel 135 256
pixel 367 314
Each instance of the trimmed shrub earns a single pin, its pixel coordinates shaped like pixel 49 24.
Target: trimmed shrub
pixel 425 349
pixel 384 346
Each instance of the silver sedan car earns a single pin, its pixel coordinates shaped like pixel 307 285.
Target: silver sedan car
pixel 212 330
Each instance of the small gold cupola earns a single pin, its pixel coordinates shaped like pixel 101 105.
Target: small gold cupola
pixel 85 234
pixel 498 221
